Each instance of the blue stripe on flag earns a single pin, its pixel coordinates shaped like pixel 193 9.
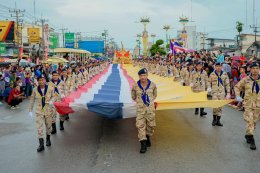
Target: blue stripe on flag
pixel 106 101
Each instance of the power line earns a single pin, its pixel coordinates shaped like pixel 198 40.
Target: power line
pixel 17 13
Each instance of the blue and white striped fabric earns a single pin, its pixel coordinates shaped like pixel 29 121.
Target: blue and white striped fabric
pixel 109 96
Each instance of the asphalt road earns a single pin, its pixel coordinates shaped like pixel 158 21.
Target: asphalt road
pixel 183 143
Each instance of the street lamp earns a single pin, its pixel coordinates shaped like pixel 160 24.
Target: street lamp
pixel 166 28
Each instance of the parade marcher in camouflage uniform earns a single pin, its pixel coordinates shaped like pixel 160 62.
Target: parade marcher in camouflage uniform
pixel 251 102
pixel 42 95
pixel 84 74
pixel 79 78
pixel 144 93
pixel 68 85
pixel 58 89
pixel 199 83
pixel 187 74
pixel 220 87
pixel 177 71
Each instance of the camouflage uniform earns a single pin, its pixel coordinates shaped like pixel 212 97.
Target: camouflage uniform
pixel 43 115
pixel 79 79
pixel 187 76
pixel 177 73
pixel 251 103
pixel 219 90
pixel 57 98
pixel 199 80
pixel 69 83
pixel 145 119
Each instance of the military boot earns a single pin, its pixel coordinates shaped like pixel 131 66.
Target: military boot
pixel 61 125
pixel 196 111
pixel 202 113
pixel 53 131
pixel 247 139
pixel 218 121
pixel 41 145
pixel 252 142
pixel 214 122
pixel 148 142
pixel 48 140
pixel 143 146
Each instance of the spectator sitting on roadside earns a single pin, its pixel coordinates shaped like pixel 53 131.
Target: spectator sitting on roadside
pixel 15 97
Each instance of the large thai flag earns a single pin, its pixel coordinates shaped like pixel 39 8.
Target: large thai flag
pixel 108 94
pixel 176 47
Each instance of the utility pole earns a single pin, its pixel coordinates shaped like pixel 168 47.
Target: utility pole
pixel 42 21
pixel 63 35
pixel 17 13
pixel 203 38
pixel 255 30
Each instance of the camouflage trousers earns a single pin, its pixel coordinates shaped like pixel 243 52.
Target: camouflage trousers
pixel 42 120
pixel 145 123
pixel 55 114
pixel 251 116
pixel 218 96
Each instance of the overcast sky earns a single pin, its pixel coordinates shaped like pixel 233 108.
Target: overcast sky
pixel 217 17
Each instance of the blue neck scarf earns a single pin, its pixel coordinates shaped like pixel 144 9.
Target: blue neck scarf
pixel 145 97
pixel 56 86
pixel 43 94
pixel 255 86
pixel 219 77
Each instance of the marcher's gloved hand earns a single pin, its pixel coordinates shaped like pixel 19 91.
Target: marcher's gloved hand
pixel 31 114
pixel 62 96
pixel 228 96
pixel 191 84
pixel 177 75
pixel 209 90
pixel 51 103
pixel 239 99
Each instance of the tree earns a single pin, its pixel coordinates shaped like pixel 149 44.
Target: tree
pixel 239 28
pixel 157 48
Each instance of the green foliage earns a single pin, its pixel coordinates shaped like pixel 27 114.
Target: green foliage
pixel 157 48
pixel 239 27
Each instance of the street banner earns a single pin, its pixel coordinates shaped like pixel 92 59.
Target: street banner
pixel 6 31
pixel 34 35
pixel 69 39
